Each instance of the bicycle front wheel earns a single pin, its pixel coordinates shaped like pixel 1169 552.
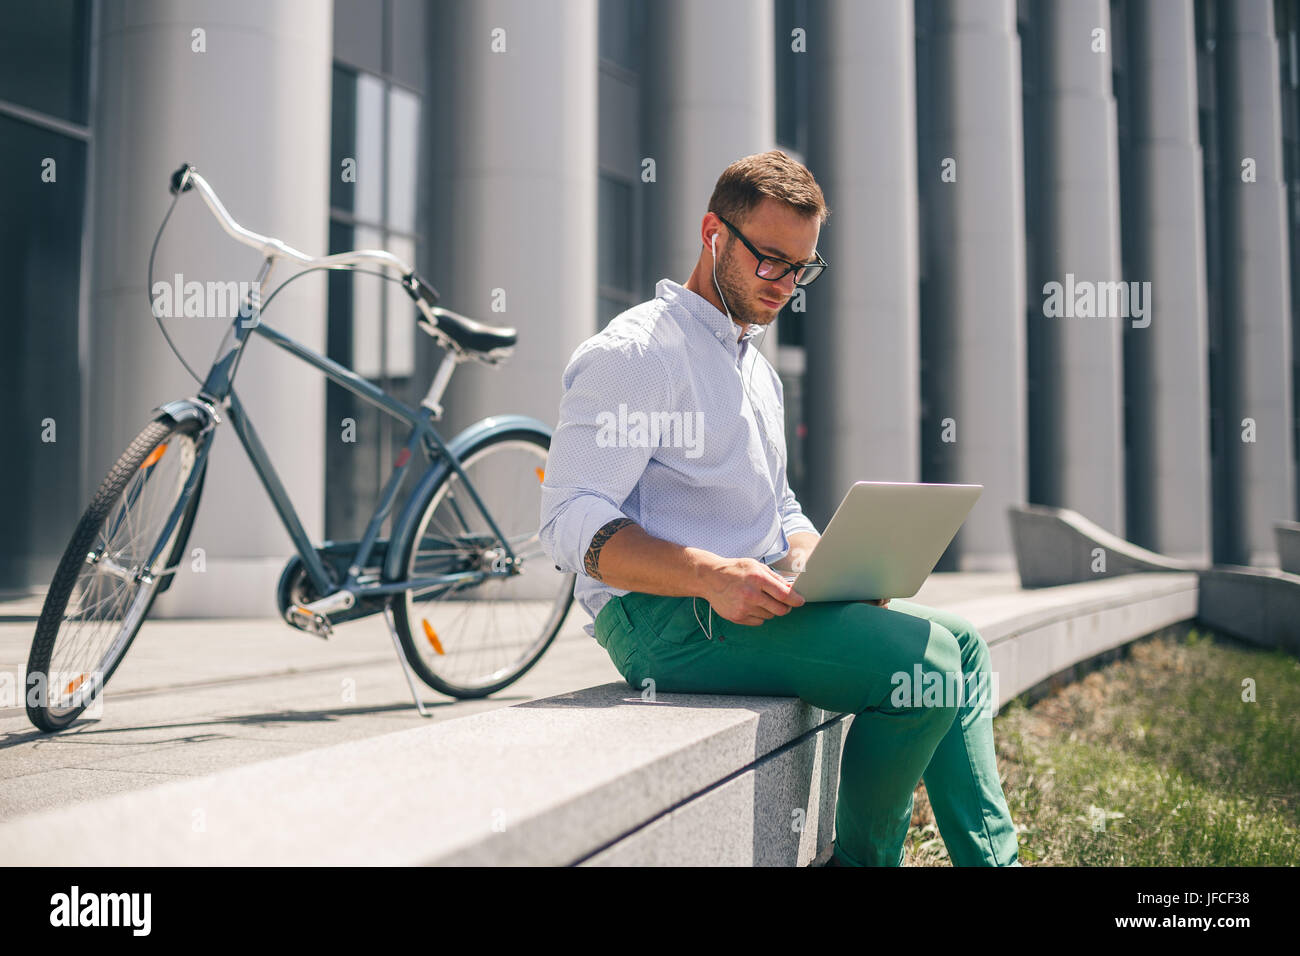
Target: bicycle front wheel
pixel 105 583
pixel 470 641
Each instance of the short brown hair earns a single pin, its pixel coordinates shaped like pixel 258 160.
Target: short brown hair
pixel 773 174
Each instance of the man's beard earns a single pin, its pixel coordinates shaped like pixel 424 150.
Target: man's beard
pixel 734 295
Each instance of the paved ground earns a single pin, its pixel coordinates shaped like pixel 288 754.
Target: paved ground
pixel 195 697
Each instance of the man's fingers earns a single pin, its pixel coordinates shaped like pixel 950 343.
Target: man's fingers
pixel 772 605
pixel 752 614
pixel 783 592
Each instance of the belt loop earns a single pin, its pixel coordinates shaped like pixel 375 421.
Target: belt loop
pixel 618 600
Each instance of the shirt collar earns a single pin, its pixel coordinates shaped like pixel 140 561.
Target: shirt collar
pixel 717 323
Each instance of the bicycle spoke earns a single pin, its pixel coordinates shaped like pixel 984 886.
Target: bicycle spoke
pixel 501 622
pixel 109 595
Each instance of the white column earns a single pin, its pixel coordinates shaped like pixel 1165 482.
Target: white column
pixel 512 183
pixel 974 264
pixel 1077 427
pixel 1169 468
pixel 1256 280
pixel 862 388
pixel 242 90
pixel 707 100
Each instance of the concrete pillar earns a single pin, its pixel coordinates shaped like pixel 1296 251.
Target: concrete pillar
pixel 862 388
pixel 1076 429
pixel 1168 449
pixel 512 190
pixel 708 99
pixel 974 264
pixel 247 100
pixel 1256 280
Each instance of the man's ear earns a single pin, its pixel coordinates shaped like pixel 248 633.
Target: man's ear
pixel 709 227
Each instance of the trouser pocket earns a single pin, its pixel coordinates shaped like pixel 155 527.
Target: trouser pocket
pixel 616 633
pixel 673 620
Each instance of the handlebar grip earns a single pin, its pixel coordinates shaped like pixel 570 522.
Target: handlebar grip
pixel 419 290
pixel 180 175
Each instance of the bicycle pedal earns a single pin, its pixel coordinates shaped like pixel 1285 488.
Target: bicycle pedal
pixel 306 620
pixel 314 617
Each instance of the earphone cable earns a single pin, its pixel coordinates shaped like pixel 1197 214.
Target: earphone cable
pixel 745 383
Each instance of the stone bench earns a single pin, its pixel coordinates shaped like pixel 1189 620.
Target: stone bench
pixel 1258 605
pixel 1288 546
pixel 594 777
pixel 1059 546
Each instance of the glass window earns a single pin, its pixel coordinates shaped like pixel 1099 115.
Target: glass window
pixel 356 183
pixel 367 316
pixel 40 271
pixel 615 265
pixel 620 33
pixel 372 329
pixel 607 308
pixel 403 149
pixel 792 84
pixel 44 59
pixel 616 271
pixel 399 318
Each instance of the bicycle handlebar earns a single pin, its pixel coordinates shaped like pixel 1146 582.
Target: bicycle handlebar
pixel 187 178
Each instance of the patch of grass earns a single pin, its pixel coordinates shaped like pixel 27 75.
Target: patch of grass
pixel 1154 760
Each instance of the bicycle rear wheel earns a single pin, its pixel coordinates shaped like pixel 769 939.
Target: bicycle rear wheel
pixel 105 584
pixel 469 642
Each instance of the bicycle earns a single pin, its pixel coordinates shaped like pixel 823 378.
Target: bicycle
pixel 447 562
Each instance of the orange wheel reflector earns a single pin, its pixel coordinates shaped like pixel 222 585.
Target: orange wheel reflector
pixel 433 638
pixel 541 474
pixel 73 685
pixel 154 456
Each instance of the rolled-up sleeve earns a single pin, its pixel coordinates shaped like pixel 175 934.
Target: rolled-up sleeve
pixel 589 473
pixel 792 517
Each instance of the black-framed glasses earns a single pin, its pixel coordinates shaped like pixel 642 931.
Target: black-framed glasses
pixel 773 268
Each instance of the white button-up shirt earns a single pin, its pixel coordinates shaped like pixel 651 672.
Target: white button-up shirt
pixel 655 426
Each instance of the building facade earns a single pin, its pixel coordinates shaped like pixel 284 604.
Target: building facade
pixel 1062 241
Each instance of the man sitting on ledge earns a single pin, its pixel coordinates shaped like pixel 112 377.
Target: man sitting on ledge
pixel 677 534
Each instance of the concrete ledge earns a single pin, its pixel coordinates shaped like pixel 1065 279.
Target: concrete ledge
pixel 1050 630
pixel 596 777
pixel 1288 546
pixel 779 812
pixel 1056 546
pixel 1259 605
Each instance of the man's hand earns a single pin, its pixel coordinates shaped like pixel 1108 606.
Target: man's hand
pixel 745 591
pixel 883 602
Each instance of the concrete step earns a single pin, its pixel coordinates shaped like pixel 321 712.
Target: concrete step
pixel 597 776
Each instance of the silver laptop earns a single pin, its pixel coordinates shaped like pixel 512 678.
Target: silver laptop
pixel 884 540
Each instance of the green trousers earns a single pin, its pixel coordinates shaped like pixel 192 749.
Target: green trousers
pixel 916 679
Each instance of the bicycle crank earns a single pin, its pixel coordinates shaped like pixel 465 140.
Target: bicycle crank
pixel 314 617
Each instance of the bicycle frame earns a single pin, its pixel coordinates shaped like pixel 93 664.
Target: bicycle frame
pixel 219 389
pixel 218 392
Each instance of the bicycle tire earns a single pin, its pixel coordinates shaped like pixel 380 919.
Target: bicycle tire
pixel 404 611
pixel 145 451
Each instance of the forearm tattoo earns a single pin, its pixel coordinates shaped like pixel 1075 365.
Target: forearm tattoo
pixel 591 563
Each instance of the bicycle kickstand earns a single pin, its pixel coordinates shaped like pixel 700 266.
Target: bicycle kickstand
pixel 401 658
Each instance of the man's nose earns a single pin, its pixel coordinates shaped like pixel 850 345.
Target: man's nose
pixel 786 284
